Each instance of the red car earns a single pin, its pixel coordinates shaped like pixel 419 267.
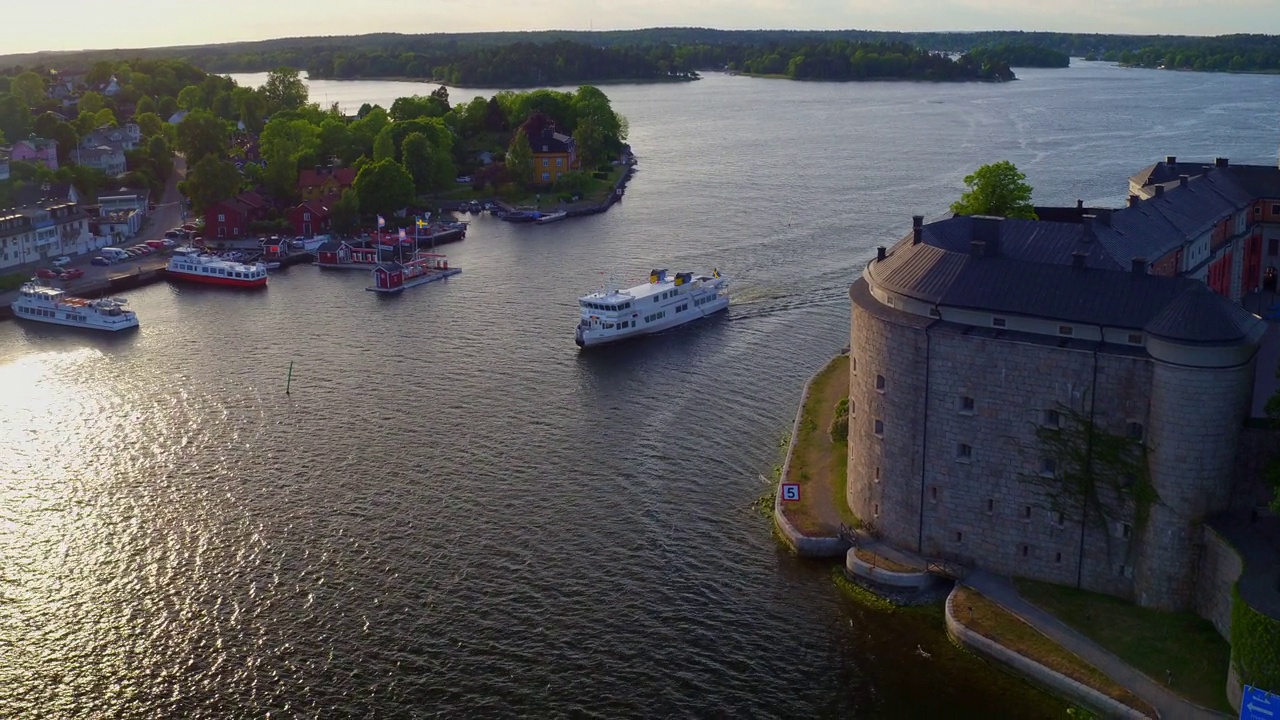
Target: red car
pixel 72 274
pixel 46 273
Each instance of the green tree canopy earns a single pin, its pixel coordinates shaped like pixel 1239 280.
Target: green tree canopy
pixel 384 187
pixel 211 180
pixel 344 216
pixel 145 105
pixel 191 98
pixel 200 135
pixel 29 87
pixel 15 118
pixel 91 102
pixel 286 146
pixel 284 90
pixel 997 189
pixel 520 158
pixel 384 146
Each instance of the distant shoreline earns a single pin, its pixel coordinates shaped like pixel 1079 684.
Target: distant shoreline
pixel 437 81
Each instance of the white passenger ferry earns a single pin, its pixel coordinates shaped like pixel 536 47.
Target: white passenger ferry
pixel 194 265
pixel 663 302
pixel 51 305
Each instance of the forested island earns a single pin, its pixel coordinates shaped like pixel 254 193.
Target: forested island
pixel 532 59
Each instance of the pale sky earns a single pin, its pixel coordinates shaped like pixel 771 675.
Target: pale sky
pixel 92 24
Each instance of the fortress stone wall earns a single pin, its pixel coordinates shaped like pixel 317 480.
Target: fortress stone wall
pixel 944 457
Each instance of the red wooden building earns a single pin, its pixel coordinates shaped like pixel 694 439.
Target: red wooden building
pixel 388 277
pixel 309 219
pixel 337 253
pixel 229 219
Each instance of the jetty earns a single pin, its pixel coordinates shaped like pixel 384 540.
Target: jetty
pixel 394 277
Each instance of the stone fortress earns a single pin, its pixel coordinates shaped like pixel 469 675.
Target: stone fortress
pixel 1063 399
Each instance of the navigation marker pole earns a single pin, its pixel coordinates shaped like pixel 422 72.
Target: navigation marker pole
pixel 289 380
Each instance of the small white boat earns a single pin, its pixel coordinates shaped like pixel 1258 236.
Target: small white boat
pixel 664 302
pixel 552 217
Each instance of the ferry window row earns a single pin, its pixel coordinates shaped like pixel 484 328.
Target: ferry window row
pixel 621 325
pixel 41 312
pixel 703 300
pixel 655 316
pixel 607 308
pixel 216 271
pixel 682 308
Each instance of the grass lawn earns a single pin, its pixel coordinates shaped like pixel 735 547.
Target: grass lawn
pixel 13 281
pixel 818 464
pixel 1181 647
pixel 990 620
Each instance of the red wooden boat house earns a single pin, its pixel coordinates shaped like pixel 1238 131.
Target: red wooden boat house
pixel 341 254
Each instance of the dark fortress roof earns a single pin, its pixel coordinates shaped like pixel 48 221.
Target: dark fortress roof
pixel 1055 271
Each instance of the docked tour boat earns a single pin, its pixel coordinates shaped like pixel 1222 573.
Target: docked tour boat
pixel 51 305
pixel 663 302
pixel 191 264
pixel 552 217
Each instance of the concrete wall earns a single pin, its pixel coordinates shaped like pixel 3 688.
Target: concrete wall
pixel 1196 416
pixel 1219 568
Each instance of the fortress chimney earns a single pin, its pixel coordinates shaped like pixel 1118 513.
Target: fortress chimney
pixel 1159 191
pixel 1133 201
pixel 1079 204
pixel 880 253
pixel 1170 160
pixel 1183 180
pixel 1139 266
pixel 1220 162
pixel 1077 259
pixel 917 229
pixel 917 221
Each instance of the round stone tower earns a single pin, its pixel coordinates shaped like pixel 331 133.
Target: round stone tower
pixel 1201 391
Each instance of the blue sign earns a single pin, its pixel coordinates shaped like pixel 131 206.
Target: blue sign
pixel 790 492
pixel 1259 704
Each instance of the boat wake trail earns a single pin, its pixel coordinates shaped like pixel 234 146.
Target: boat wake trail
pixel 758 304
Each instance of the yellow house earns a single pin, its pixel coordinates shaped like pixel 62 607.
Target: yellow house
pixel 553 155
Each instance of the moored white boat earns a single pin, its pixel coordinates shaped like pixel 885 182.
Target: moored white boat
pixel 664 302
pixel 191 264
pixel 51 305
pixel 552 217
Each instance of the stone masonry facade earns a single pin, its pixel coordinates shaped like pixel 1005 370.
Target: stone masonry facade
pixel 945 459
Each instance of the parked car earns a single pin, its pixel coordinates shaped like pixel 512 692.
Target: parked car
pixel 46 273
pixel 155 244
pixel 61 261
pixel 72 274
pixel 99 260
pixel 172 233
pixel 168 243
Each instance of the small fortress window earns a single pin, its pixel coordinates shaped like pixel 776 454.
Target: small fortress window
pixel 1052 419
pixel 1066 330
pixel 991 505
pixel 959 536
pixel 1062 519
pixel 964 452
pixel 966 405
pixel 880 382
pixel 933 493
pixel 1135 338
pixel 1057 557
pixel 998 322
pixel 1048 467
pixel 853 364
pixel 875 509
pixel 1026 550
pixel 1135 431
pixel 1126 530
pixel 879 428
pixel 1026 512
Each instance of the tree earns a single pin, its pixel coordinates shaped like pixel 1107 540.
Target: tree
pixel 211 180
pixel 250 107
pixel 145 105
pixel 384 146
pixel 416 151
pixel 344 215
pixel 284 90
pixel 200 135
pixel 997 189
pixel 15 118
pixel 150 124
pixel 91 102
pixel 287 145
pixel 383 187
pixel 520 158
pixel 29 87
pixel 191 98
pixel 418 106
pixel 590 141
pixel 105 117
pixel 161 156
pixel 166 107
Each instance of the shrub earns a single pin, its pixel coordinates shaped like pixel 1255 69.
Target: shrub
pixel 839 430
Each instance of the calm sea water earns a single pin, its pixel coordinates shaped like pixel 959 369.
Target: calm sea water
pixel 454 512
